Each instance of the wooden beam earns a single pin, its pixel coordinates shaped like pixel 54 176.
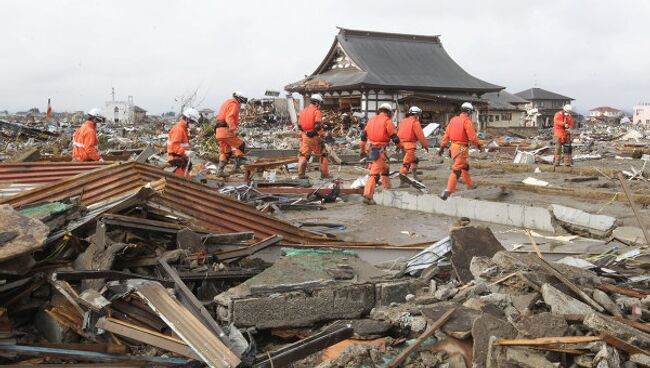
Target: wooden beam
pixel 425 335
pixel 626 189
pixel 549 341
pixel 581 294
pixel 623 291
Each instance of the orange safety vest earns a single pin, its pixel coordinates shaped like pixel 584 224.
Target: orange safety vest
pixel 380 128
pixel 229 113
pixel 558 124
pixel 460 130
pixel 84 143
pixel 178 141
pixel 309 117
pixel 410 130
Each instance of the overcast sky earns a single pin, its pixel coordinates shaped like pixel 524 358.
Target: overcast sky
pixel 597 52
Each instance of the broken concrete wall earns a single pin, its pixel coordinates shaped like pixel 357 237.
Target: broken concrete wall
pixel 495 212
pixel 575 220
pixel 301 308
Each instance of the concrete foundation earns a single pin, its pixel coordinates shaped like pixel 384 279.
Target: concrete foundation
pixel 599 226
pixel 508 214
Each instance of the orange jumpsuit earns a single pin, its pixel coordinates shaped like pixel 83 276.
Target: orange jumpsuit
pixel 177 143
pixel 378 132
pixel 561 136
pixel 410 133
pixel 84 143
pixel 460 132
pixel 310 122
pixel 226 130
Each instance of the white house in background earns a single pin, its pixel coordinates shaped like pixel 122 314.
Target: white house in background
pixel 606 111
pixel 123 111
pixel 642 113
pixel 207 113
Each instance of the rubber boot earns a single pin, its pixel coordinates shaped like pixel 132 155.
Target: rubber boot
pixel 444 195
pixel 221 169
pixel 302 168
pixel 236 165
pixel 556 161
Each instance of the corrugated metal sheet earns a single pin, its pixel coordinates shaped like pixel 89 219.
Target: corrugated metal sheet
pixel 44 172
pixel 186 198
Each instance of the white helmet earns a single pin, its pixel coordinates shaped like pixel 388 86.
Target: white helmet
pixel 191 114
pixel 97 113
pixel 316 97
pixel 414 110
pixel 568 108
pixel 466 106
pixel 386 106
pixel 239 96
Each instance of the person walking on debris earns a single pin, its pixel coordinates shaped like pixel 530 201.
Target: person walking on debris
pixel 312 130
pixel 460 132
pixel 178 143
pixel 379 131
pixel 84 140
pixel 562 121
pixel 410 133
pixel 225 132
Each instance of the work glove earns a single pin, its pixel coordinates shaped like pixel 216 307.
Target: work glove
pixel 426 149
pixel 189 153
pixel 441 151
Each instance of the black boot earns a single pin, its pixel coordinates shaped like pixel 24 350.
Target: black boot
pixel 221 169
pixel 237 163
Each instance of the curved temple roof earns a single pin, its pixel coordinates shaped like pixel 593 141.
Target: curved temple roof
pixel 390 60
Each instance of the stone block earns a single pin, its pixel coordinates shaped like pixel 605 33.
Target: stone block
pixel 600 226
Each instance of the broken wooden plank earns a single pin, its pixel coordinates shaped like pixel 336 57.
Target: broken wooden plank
pixel 623 345
pixel 626 189
pixel 605 325
pixel 638 325
pixel 623 291
pixel 146 336
pixel 534 243
pixel 549 341
pixel 425 335
pixel 580 179
pixel 87 355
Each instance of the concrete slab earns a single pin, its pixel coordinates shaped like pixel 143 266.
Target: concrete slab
pixel 629 234
pixel 600 226
pixel 561 303
pixel 508 214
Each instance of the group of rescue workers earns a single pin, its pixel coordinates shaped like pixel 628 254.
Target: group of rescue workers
pixel 376 136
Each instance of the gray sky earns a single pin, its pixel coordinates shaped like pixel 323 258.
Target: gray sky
pixel 597 52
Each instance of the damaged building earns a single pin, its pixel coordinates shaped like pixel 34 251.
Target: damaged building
pixel 364 69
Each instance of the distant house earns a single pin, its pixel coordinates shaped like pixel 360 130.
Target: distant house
pixel 364 69
pixel 503 110
pixel 546 103
pixel 207 113
pixel 642 113
pixel 139 114
pixel 605 111
pixel 124 111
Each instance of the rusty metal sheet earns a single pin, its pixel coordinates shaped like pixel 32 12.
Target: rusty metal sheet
pixel 45 171
pixel 195 334
pixel 196 202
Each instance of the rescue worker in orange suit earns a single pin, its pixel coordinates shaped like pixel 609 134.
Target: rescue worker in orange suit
pixel 410 133
pixel 225 131
pixel 562 121
pixel 84 140
pixel 179 154
pixel 375 138
pixel 312 130
pixel 460 133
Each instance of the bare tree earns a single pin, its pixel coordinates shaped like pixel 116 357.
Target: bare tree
pixel 189 99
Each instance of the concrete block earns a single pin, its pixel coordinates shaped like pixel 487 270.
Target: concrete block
pixel 392 292
pixel 561 303
pixel 298 308
pixel 508 214
pixel 630 234
pixel 598 225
